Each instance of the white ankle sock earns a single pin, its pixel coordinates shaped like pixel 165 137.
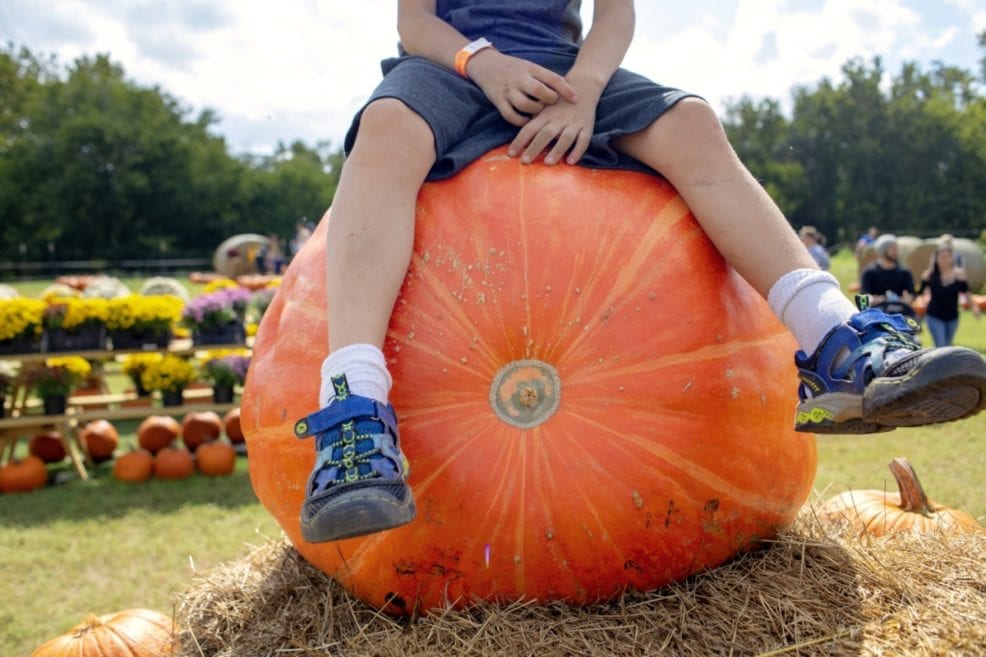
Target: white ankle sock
pixel 810 303
pixel 366 372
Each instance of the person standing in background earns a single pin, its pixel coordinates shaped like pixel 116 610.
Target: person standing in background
pixel 815 243
pixel 944 284
pixel 866 239
pixel 886 281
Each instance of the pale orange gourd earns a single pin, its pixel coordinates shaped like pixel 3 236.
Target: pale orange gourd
pixel 128 633
pixel 589 397
pixel 878 512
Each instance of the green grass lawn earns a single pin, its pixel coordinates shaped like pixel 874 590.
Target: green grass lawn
pixel 78 547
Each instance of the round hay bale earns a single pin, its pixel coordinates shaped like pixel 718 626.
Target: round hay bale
pixel 905 245
pixel 971 254
pixel 8 292
pixel 809 592
pixel 235 256
pixel 580 382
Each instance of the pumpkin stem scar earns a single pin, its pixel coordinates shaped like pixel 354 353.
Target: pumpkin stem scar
pixel 525 393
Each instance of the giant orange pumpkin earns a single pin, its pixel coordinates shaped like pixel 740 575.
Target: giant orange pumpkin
pixel 589 397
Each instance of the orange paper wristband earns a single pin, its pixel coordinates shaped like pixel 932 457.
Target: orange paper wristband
pixel 461 59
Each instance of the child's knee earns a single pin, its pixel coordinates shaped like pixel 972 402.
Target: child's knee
pixel 696 114
pixel 388 116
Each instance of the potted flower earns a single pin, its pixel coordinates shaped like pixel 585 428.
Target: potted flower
pixel 142 322
pixel 217 317
pixel 54 380
pixel 21 322
pixel 170 375
pixel 134 366
pixel 225 373
pixel 73 324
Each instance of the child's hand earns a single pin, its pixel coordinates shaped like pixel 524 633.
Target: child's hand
pixel 518 88
pixel 568 125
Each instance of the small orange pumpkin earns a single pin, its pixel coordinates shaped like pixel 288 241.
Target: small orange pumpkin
pixel 173 463
pixel 200 427
pixel 877 512
pixel 24 475
pixel 135 466
pixel 128 633
pixel 101 439
pixel 47 446
pixel 231 422
pixel 157 432
pixel 215 458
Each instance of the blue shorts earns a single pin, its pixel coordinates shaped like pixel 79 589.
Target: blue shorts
pixel 467 125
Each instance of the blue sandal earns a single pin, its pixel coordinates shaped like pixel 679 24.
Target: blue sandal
pixel 887 380
pixel 358 485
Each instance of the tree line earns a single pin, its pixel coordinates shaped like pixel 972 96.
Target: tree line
pixel 93 165
pixel 905 153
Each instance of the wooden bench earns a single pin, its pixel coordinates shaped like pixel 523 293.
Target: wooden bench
pixel 69 424
pixel 24 419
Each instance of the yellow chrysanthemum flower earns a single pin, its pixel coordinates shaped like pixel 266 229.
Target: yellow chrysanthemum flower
pixel 170 374
pixel 20 316
pixel 220 284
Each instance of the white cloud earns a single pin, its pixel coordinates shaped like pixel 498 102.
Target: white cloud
pixel 771 46
pixel 280 71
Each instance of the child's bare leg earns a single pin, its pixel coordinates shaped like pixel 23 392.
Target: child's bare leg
pixel 358 483
pixel 860 372
pixel 371 230
pixel 687 146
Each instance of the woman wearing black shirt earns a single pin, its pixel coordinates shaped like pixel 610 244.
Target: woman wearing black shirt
pixel 943 283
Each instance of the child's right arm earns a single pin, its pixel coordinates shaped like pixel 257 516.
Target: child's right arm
pixel 516 87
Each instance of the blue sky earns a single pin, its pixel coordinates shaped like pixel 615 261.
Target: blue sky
pixel 277 71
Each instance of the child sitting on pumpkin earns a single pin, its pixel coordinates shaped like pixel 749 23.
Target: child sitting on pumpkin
pixel 476 74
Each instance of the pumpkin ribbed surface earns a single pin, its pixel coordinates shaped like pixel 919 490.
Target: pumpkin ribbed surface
pixel 879 512
pixel 589 397
pixel 128 633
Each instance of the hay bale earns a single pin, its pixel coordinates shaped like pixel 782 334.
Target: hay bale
pixel 809 592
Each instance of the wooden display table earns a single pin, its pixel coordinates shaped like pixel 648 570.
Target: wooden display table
pixel 20 416
pixel 69 424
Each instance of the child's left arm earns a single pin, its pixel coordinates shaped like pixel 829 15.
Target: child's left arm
pixel 570 125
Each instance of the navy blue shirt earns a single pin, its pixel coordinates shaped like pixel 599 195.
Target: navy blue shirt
pixel 535 29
